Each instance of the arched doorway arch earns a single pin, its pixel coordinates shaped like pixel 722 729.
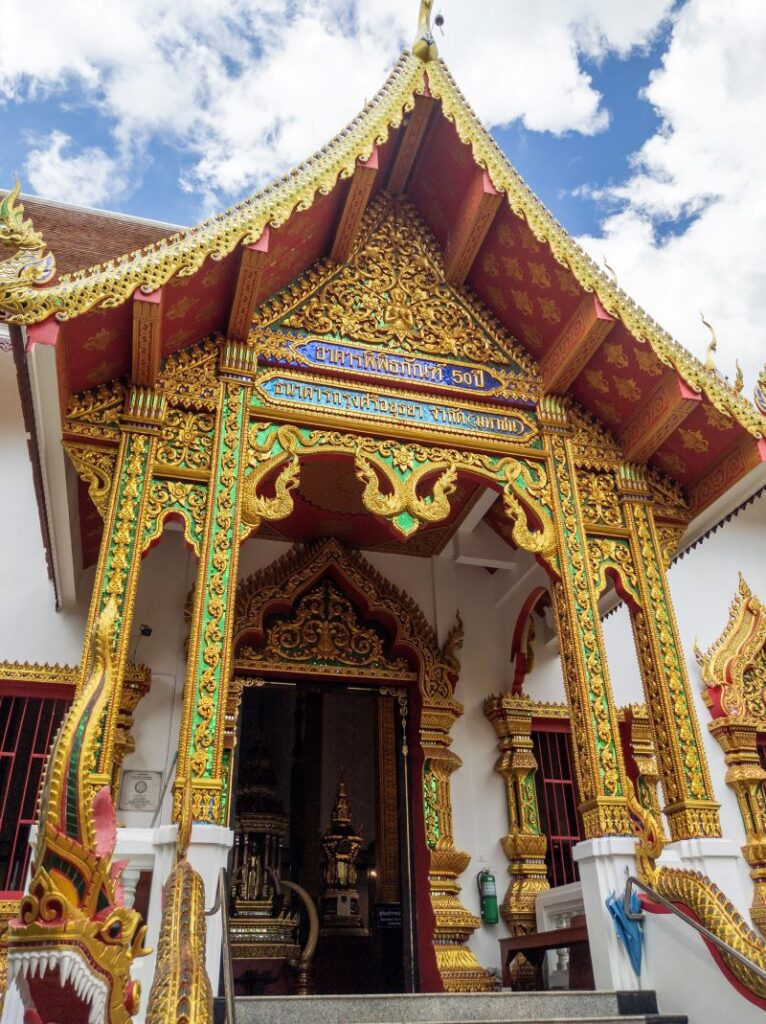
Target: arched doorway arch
pixel 399 645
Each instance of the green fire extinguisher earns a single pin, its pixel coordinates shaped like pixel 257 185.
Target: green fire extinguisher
pixel 488 897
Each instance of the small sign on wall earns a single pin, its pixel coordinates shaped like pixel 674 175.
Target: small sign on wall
pixel 140 791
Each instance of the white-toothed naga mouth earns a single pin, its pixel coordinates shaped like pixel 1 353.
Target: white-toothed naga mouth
pixel 61 981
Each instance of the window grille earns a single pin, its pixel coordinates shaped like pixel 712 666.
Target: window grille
pixel 557 800
pixel 27 728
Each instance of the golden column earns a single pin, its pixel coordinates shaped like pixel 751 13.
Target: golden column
pixel 691 809
pixel 524 845
pixel 453 924
pixel 596 740
pixel 119 557
pixel 202 752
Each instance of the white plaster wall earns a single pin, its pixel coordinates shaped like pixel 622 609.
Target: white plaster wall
pixel 30 627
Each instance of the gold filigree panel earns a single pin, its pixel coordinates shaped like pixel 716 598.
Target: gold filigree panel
pixel 324 630
pixel 393 292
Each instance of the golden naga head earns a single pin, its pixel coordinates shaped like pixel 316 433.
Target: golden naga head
pixel 425 46
pixel 30 261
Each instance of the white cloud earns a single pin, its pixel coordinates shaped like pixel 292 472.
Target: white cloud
pixel 246 88
pixel 87 178
pixel 705 160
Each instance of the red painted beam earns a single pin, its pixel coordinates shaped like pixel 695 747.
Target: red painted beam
pixel 247 293
pixel 666 407
pixel 147 337
pixel 736 462
pixel 477 211
pixel 575 346
pixel 358 196
pixel 410 144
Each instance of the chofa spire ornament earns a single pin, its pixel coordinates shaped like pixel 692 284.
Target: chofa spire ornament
pixel 759 394
pixel 425 45
pixel 31 262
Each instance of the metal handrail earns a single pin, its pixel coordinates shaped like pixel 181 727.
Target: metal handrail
pixel 221 903
pixel 633 915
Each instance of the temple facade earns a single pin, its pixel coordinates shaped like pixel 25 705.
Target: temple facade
pixel 366 541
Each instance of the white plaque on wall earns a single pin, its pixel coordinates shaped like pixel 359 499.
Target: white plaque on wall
pixel 140 791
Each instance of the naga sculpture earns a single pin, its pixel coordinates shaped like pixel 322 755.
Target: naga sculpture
pixel 72 946
pixel 403 498
pixel 696 893
pixel 30 262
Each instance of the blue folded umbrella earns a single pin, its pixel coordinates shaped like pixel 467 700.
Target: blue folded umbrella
pixel 629 932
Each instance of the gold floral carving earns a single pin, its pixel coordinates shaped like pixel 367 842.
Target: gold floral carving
pixel 300 571
pixel 188 378
pixel 324 630
pixel 641 749
pixel 598 496
pixel 96 413
pixel 175 498
pixel 610 554
pixel 691 810
pixel 734 673
pixel 393 292
pixel 95 467
pixel 186 441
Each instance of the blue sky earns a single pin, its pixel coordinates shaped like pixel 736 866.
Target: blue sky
pixel 635 123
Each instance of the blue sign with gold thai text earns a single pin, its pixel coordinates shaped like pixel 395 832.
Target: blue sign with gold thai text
pixel 371 404
pixel 501 383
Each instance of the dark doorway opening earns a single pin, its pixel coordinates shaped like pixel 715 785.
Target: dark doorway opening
pixel 321 797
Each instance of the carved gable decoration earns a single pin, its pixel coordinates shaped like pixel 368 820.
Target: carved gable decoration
pixel 392 292
pixel 324 630
pixel 734 669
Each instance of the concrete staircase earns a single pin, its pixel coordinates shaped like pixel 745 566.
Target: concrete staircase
pixel 495 1008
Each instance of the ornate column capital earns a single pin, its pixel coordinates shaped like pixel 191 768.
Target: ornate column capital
pixel 552 413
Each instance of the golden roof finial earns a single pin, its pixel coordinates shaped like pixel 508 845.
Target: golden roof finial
pixel 739 380
pixel 712 347
pixel 612 271
pixel 759 394
pixel 425 46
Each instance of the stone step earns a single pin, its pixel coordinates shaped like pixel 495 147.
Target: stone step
pixel 474 1008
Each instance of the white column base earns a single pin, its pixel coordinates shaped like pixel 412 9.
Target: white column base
pixel 208 853
pixel 604 865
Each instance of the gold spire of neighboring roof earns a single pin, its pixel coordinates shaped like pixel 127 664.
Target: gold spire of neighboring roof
pixel 115 281
pixel 425 47
pixel 760 391
pixel 712 347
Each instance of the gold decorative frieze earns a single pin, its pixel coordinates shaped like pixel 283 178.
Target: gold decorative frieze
pixel 323 631
pixel 393 292
pixel 28 672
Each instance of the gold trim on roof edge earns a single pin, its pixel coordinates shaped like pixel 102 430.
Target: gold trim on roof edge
pixel 111 283
pixel 566 251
